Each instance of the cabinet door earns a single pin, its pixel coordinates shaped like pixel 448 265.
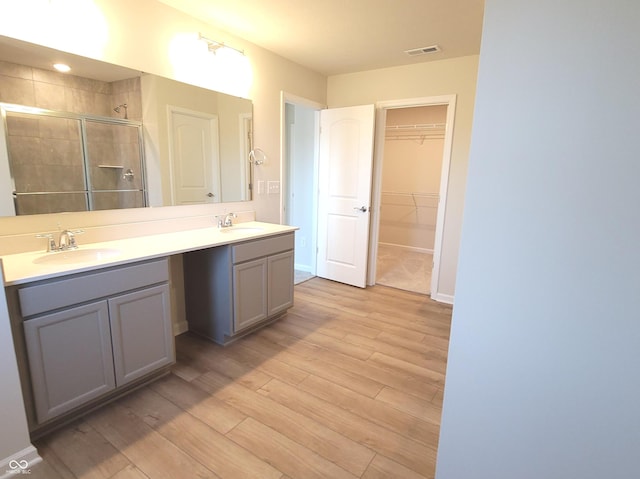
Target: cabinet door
pixel 280 282
pixel 141 333
pixel 69 357
pixel 249 293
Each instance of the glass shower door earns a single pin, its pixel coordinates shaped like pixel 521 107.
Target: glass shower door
pixel 46 163
pixel 115 165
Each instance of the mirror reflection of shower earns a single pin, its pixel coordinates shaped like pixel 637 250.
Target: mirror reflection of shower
pixel 117 110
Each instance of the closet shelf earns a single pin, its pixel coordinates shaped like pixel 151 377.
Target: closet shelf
pixel 412 194
pixel 417 126
pixel 416 132
pixel 394 198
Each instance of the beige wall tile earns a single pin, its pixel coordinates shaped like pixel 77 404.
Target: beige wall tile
pixel 53 78
pixel 18 125
pixel 59 128
pixel 103 104
pixel 17 90
pixel 80 101
pixel 50 96
pixel 23 150
pixel 109 201
pixel 16 71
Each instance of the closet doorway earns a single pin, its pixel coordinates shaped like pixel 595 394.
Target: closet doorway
pixel 412 173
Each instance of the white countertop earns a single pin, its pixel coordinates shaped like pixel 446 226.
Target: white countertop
pixel 22 268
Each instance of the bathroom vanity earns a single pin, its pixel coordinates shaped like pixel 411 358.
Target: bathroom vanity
pixel 232 290
pixel 89 334
pixel 94 324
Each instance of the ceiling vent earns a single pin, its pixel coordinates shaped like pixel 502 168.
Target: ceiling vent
pixel 422 50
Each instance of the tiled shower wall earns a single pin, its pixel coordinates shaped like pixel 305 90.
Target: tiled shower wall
pixel 46 151
pixel 29 86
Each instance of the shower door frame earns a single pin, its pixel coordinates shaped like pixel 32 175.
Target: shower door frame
pixel 5 161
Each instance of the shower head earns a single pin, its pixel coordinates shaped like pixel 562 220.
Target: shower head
pixel 117 109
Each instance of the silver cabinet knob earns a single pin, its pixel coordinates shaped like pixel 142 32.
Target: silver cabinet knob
pixel 210 195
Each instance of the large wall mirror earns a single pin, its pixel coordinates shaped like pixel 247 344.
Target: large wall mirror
pixel 105 137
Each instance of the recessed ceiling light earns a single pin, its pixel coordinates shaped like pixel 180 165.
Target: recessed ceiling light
pixel 61 67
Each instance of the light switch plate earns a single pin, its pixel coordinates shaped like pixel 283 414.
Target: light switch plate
pixel 273 187
pixel 261 187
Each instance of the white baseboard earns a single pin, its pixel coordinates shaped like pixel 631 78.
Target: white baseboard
pixel 408 248
pixel 302 267
pixel 442 298
pixel 19 463
pixel 180 327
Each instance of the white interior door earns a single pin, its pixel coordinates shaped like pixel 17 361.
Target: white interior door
pixel 345 166
pixel 195 164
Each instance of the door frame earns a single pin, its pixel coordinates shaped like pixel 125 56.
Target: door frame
pixel 288 98
pixel 292 99
pixel 376 191
pixel 245 126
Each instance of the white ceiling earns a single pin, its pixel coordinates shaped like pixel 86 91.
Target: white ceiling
pixel 342 36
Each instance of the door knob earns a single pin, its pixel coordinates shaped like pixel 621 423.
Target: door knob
pixel 361 208
pixel 210 195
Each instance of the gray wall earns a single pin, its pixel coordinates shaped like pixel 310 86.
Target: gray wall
pixel 542 379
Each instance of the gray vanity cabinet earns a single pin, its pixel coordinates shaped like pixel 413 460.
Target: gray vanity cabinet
pixel 250 297
pixel 70 357
pixel 233 289
pixel 141 331
pixel 280 279
pixel 91 334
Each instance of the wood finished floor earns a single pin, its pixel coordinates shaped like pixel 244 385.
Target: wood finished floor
pixel 347 385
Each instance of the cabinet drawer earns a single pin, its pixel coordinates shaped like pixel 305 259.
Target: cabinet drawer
pixel 66 292
pixel 261 247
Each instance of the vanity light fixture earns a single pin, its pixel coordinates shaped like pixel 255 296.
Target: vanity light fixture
pixel 214 45
pixel 62 67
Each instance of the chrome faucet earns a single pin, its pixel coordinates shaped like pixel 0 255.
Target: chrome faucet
pixel 227 221
pixel 67 240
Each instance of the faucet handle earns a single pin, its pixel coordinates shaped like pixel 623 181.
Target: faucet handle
pixel 51 243
pixel 228 219
pixel 72 238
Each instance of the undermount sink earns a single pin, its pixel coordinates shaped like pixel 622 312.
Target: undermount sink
pixel 80 255
pixel 241 229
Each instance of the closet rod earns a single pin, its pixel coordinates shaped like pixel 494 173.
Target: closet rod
pixel 414 137
pixel 417 126
pixel 410 194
